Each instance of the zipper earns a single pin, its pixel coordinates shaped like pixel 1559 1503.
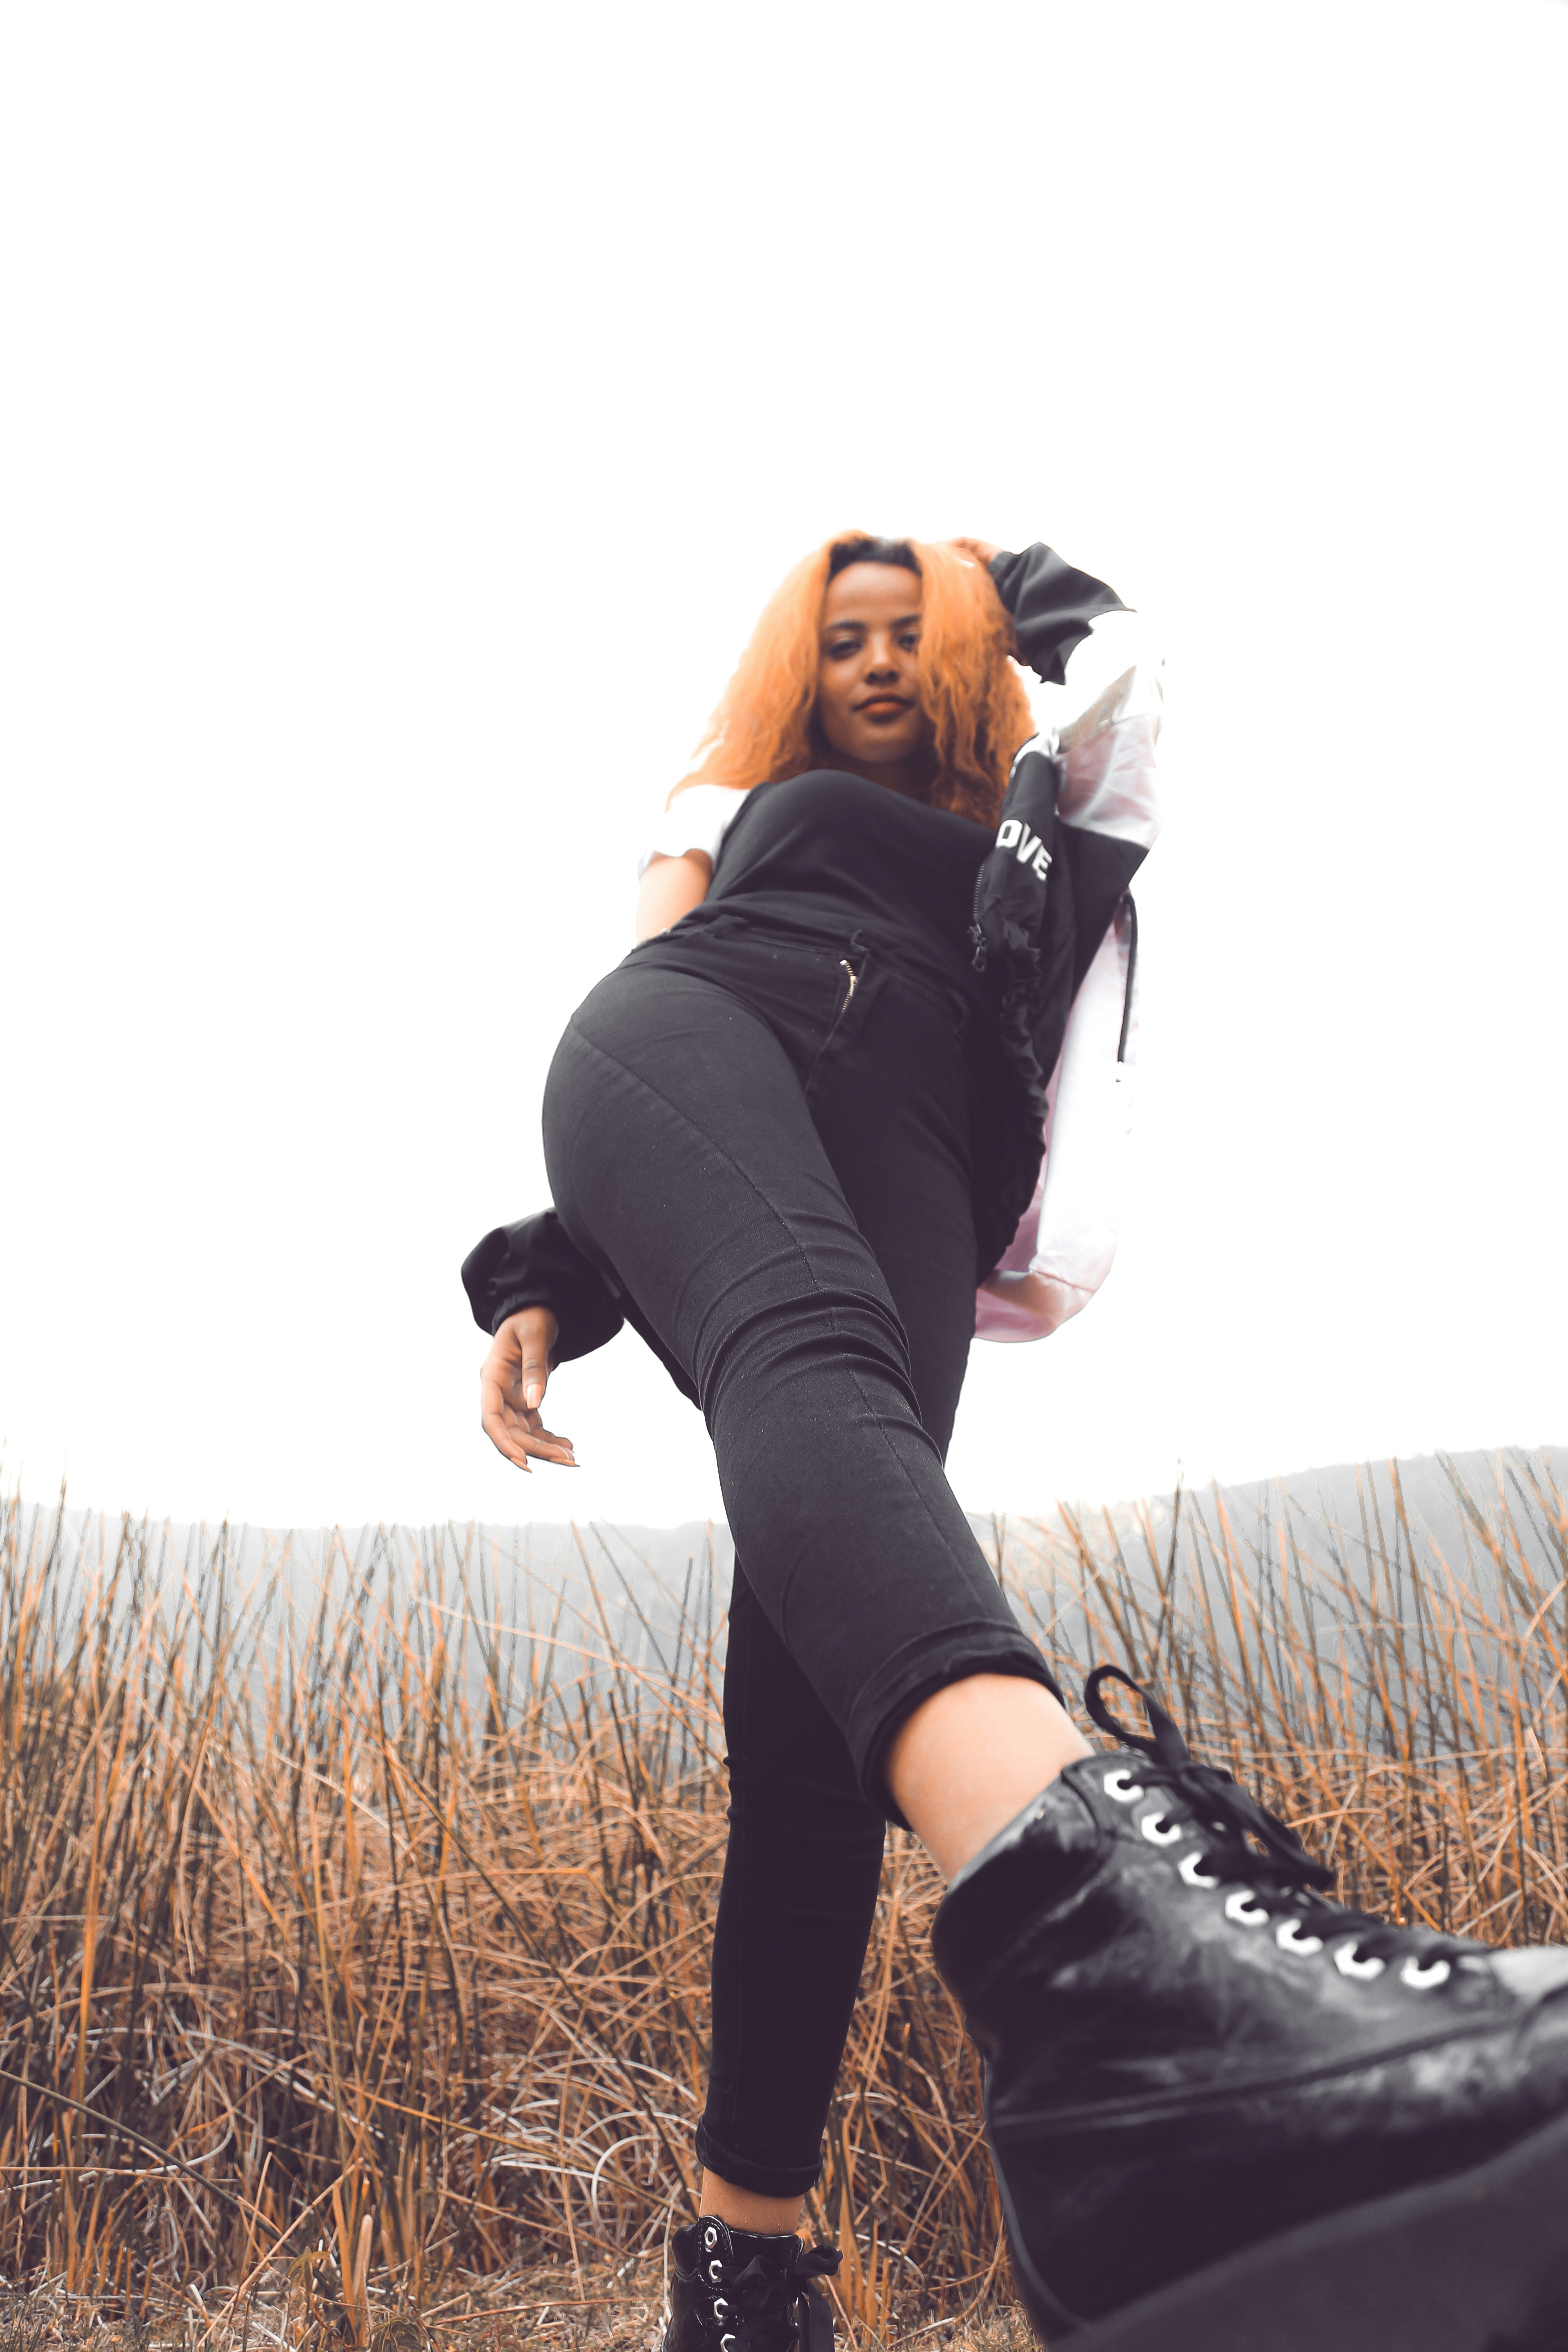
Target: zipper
pixel 844 999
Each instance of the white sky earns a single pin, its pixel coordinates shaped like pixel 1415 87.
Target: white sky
pixel 405 412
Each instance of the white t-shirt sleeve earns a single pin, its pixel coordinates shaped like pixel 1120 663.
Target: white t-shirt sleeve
pixel 696 819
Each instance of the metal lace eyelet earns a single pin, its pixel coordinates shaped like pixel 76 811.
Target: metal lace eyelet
pixel 710 2239
pixel 715 2271
pixel 1348 1965
pixel 1121 1785
pixel 726 2344
pixel 1236 1908
pixel 1424 1979
pixel 1187 1870
pixel 720 2308
pixel 1149 1825
pixel 1289 1938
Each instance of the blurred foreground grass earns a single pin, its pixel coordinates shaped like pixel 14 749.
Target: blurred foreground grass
pixel 353 1943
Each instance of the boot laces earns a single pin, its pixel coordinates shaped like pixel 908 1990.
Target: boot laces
pixel 1283 1878
pixel 768 2306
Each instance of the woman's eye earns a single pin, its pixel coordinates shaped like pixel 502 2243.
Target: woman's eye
pixel 844 648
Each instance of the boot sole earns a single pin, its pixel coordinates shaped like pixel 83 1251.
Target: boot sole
pixel 1478 2263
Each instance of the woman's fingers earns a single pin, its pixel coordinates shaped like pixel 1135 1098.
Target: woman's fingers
pixel 520 1444
pixel 535 1370
pixel 512 1381
pixel 520 1435
pixel 979 551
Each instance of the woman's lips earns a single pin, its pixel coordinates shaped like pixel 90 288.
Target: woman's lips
pixel 884 705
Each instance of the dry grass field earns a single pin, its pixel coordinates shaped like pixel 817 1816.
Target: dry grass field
pixel 352 1947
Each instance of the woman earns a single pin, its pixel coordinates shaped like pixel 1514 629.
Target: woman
pixel 786 1139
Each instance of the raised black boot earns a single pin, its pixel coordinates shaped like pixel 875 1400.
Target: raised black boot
pixel 1225 2111
pixel 742 2290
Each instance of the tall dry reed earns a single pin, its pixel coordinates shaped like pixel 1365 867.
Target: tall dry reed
pixel 378 1918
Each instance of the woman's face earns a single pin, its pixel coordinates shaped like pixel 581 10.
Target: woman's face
pixel 867 682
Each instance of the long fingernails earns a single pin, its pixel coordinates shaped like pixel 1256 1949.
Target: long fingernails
pixel 532 1393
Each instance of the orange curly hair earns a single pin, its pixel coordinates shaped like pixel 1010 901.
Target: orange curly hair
pixel 763 729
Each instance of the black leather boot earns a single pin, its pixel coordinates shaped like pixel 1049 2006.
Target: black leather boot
pixel 1223 2110
pixel 739 2291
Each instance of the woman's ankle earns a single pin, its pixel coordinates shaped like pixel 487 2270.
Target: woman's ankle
pixel 973 1755
pixel 743 2208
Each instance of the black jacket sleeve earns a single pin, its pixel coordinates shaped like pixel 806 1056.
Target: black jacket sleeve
pixel 536 1262
pixel 1053 606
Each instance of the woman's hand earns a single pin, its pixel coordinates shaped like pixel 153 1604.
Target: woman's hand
pixel 511 1388
pixel 979 551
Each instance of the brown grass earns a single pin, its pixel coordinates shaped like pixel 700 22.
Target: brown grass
pixel 352 1959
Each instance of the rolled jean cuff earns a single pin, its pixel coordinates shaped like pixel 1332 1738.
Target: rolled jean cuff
pixel 922 1666
pixel 762 2179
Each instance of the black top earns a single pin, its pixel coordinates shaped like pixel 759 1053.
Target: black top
pixel 826 847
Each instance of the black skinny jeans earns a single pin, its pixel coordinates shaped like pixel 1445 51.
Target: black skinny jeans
pixel 775 1162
